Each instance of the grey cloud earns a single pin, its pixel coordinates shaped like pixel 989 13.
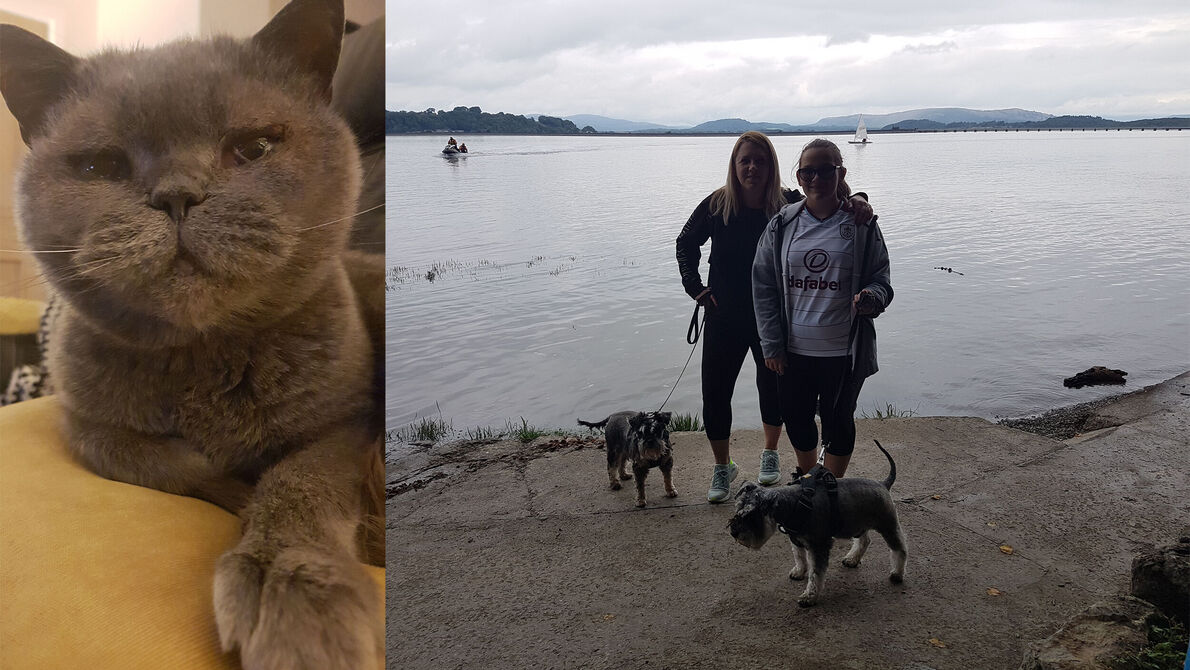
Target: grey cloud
pixel 938 48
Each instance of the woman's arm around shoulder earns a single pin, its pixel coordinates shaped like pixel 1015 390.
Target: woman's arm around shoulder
pixel 877 278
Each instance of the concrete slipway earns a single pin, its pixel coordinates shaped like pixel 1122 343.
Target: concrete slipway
pixel 507 555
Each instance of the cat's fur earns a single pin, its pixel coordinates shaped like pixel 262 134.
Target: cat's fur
pixel 211 343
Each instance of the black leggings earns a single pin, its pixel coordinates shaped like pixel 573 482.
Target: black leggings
pixel 725 343
pixel 811 383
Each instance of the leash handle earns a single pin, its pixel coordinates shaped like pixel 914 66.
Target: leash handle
pixel 694 331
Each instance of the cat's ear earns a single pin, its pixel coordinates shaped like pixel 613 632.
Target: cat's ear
pixel 34 74
pixel 308 33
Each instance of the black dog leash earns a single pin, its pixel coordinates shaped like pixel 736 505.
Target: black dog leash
pixel 694 331
pixel 692 334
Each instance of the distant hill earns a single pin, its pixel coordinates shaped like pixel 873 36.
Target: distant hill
pixel 1051 122
pixel 740 125
pixel 942 115
pixel 475 120
pixel 604 124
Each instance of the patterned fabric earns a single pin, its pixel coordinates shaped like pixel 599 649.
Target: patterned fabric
pixel 33 381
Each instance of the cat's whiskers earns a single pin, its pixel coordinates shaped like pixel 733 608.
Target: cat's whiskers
pixel 40 251
pixel 346 218
pixel 86 268
pixel 20 285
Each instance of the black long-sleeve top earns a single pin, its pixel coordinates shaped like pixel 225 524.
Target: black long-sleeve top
pixel 733 247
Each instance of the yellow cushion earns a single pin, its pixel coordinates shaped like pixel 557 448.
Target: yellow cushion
pixel 19 316
pixel 98 574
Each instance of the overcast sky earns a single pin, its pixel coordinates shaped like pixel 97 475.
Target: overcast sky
pixel 682 63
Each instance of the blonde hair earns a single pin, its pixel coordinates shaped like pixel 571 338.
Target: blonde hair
pixel 726 200
pixel 843 191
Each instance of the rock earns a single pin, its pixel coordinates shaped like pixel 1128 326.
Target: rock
pixel 1162 577
pixel 1095 376
pixel 1089 640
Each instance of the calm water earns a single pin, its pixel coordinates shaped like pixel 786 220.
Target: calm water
pixel 555 293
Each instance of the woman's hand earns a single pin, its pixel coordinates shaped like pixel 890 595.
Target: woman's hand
pixel 775 364
pixel 860 207
pixel 706 298
pixel 865 303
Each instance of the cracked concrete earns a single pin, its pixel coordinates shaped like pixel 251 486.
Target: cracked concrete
pixel 513 556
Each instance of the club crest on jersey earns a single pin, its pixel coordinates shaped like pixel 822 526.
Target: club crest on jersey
pixel 847 231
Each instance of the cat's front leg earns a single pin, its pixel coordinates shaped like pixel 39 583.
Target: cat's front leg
pixel 167 464
pixel 293 594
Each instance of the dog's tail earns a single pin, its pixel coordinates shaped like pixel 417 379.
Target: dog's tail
pixel 597 424
pixel 892 468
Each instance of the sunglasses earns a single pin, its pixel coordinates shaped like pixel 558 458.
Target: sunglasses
pixel 825 172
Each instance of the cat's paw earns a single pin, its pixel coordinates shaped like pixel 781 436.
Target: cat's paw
pixel 238 581
pixel 313 612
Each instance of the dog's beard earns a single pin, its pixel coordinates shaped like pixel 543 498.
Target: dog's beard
pixel 752 533
pixel 652 449
pixel 652 454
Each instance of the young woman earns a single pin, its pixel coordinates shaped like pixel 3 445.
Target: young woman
pixel 734 217
pixel 818 279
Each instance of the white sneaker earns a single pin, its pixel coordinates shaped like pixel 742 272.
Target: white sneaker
pixel 770 467
pixel 721 480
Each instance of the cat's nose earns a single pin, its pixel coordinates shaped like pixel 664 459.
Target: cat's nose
pixel 176 201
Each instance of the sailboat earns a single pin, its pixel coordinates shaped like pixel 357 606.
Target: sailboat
pixel 861 133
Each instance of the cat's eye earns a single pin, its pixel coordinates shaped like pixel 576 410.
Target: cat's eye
pixel 251 150
pixel 109 164
pixel 243 148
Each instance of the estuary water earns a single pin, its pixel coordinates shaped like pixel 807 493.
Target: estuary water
pixel 535 278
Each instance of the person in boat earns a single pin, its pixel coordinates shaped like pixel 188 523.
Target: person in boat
pixel 819 278
pixel 463 148
pixel 451 143
pixel 733 218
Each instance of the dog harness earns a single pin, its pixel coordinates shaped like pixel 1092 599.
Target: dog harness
pixel 818 476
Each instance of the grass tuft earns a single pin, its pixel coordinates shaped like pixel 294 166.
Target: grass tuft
pixel 425 429
pixel 525 432
pixel 1166 649
pixel 890 411
pixel 685 422
pixel 482 433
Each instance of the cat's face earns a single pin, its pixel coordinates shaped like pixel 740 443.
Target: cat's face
pixel 199 184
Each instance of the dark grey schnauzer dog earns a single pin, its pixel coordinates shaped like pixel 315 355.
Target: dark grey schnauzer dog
pixel 863 505
pixel 640 437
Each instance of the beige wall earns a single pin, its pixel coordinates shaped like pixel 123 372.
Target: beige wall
pixel 85 26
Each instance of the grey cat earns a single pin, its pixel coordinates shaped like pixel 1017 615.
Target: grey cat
pixel 217 338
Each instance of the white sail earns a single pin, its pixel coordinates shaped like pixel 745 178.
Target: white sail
pixel 861 131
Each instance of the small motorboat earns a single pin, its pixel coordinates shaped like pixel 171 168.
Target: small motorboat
pixel 451 150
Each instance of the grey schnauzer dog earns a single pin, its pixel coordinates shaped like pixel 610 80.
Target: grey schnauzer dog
pixel 640 437
pixel 812 525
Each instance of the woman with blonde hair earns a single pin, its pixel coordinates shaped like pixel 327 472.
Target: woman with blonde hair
pixel 733 217
pixel 819 278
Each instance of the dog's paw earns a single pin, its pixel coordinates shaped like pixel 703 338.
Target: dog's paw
pixel 797 574
pixel 615 486
pixel 640 502
pixel 671 493
pixel 306 611
pixel 806 600
pixel 849 562
pixel 896 577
